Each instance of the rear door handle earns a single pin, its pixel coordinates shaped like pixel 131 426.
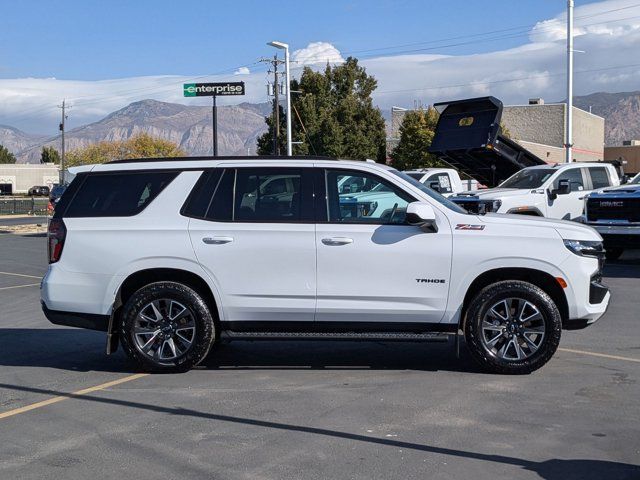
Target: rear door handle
pixel 335 241
pixel 217 240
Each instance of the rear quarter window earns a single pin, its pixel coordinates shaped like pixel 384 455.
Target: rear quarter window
pixel 121 194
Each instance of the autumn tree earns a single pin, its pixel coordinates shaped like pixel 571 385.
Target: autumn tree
pixel 416 134
pixel 141 145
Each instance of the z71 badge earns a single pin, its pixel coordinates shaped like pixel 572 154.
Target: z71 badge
pixel 468 226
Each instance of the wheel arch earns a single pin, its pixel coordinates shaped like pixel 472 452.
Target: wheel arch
pixel 140 278
pixel 539 278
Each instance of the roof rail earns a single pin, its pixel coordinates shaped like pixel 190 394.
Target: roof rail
pixel 226 157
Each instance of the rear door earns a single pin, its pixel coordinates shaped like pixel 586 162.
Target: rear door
pixel 372 265
pixel 253 232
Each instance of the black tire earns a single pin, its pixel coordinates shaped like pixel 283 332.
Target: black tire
pixel 198 314
pixel 491 295
pixel 613 253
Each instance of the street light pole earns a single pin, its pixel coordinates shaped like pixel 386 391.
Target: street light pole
pixel 569 117
pixel 285 47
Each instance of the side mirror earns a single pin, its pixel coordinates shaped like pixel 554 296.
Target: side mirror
pixel 435 186
pixel 563 188
pixel 422 215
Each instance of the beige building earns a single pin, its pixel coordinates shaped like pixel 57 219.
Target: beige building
pixel 628 152
pixel 20 177
pixel 540 128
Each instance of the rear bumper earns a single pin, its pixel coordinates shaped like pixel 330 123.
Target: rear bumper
pixel 89 321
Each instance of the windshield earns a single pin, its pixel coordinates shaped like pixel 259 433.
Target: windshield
pixel 433 194
pixel 528 178
pixel 635 180
pixel 415 175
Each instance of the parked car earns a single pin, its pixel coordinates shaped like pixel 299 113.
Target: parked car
pixel 545 191
pixel 38 191
pixel 445 181
pixel 615 214
pixel 169 255
pixel 56 192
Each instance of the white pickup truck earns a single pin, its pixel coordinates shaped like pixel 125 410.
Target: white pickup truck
pixel 556 191
pixel 445 181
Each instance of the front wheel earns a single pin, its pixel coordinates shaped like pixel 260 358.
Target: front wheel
pixel 512 327
pixel 166 326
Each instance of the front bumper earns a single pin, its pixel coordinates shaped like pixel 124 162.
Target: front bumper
pixel 89 321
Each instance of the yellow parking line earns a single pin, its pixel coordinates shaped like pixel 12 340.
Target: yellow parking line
pixel 20 275
pixel 20 286
pixel 60 398
pixel 603 355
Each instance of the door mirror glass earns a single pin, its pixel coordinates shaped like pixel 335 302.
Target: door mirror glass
pixel 421 214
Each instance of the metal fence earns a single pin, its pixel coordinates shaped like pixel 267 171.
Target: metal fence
pixel 23 206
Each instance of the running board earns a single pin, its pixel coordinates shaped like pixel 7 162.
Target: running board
pixel 352 336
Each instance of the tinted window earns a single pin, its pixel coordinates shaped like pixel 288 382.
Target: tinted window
pixel 268 195
pixel 599 177
pixel 378 203
pixel 443 181
pixel 574 175
pixel 117 194
pixel 199 200
pixel 430 193
pixel 221 207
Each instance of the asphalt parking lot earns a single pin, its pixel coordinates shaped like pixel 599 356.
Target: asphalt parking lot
pixel 306 410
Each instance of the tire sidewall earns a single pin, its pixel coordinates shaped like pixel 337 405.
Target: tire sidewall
pixel 205 329
pixel 491 295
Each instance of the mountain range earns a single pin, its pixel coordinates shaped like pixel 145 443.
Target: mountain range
pixel 240 125
pixel 190 127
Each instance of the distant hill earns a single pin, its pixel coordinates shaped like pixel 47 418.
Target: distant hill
pixel 16 140
pixel 621 112
pixel 188 126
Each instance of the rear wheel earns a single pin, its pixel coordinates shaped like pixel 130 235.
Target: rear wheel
pixel 167 326
pixel 512 327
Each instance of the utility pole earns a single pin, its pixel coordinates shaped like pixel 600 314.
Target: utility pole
pixel 276 100
pixel 285 47
pixel 214 124
pixel 569 118
pixel 62 126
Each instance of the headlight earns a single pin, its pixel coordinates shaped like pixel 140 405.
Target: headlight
pixel 585 248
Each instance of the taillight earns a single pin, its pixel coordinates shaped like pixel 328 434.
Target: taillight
pixel 56 235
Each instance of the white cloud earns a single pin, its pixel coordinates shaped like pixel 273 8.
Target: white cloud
pixel 317 52
pixel 608 32
pixel 242 71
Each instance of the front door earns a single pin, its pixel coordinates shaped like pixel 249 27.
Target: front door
pixel 256 240
pixel 372 266
pixel 570 205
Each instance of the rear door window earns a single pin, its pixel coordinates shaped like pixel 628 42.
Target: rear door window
pixel 121 194
pixel 599 177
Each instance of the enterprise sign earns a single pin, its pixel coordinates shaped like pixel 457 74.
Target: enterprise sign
pixel 213 89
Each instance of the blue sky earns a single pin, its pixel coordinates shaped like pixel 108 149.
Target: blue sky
pixel 103 55
pixel 93 40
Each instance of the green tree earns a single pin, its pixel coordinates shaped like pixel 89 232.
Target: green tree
pixel 6 156
pixel 141 145
pixel 49 155
pixel 265 141
pixel 416 135
pixel 337 114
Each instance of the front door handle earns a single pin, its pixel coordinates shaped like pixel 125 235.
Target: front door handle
pixel 217 240
pixel 335 241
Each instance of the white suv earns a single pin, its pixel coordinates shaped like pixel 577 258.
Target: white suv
pixel 167 256
pixel 556 191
